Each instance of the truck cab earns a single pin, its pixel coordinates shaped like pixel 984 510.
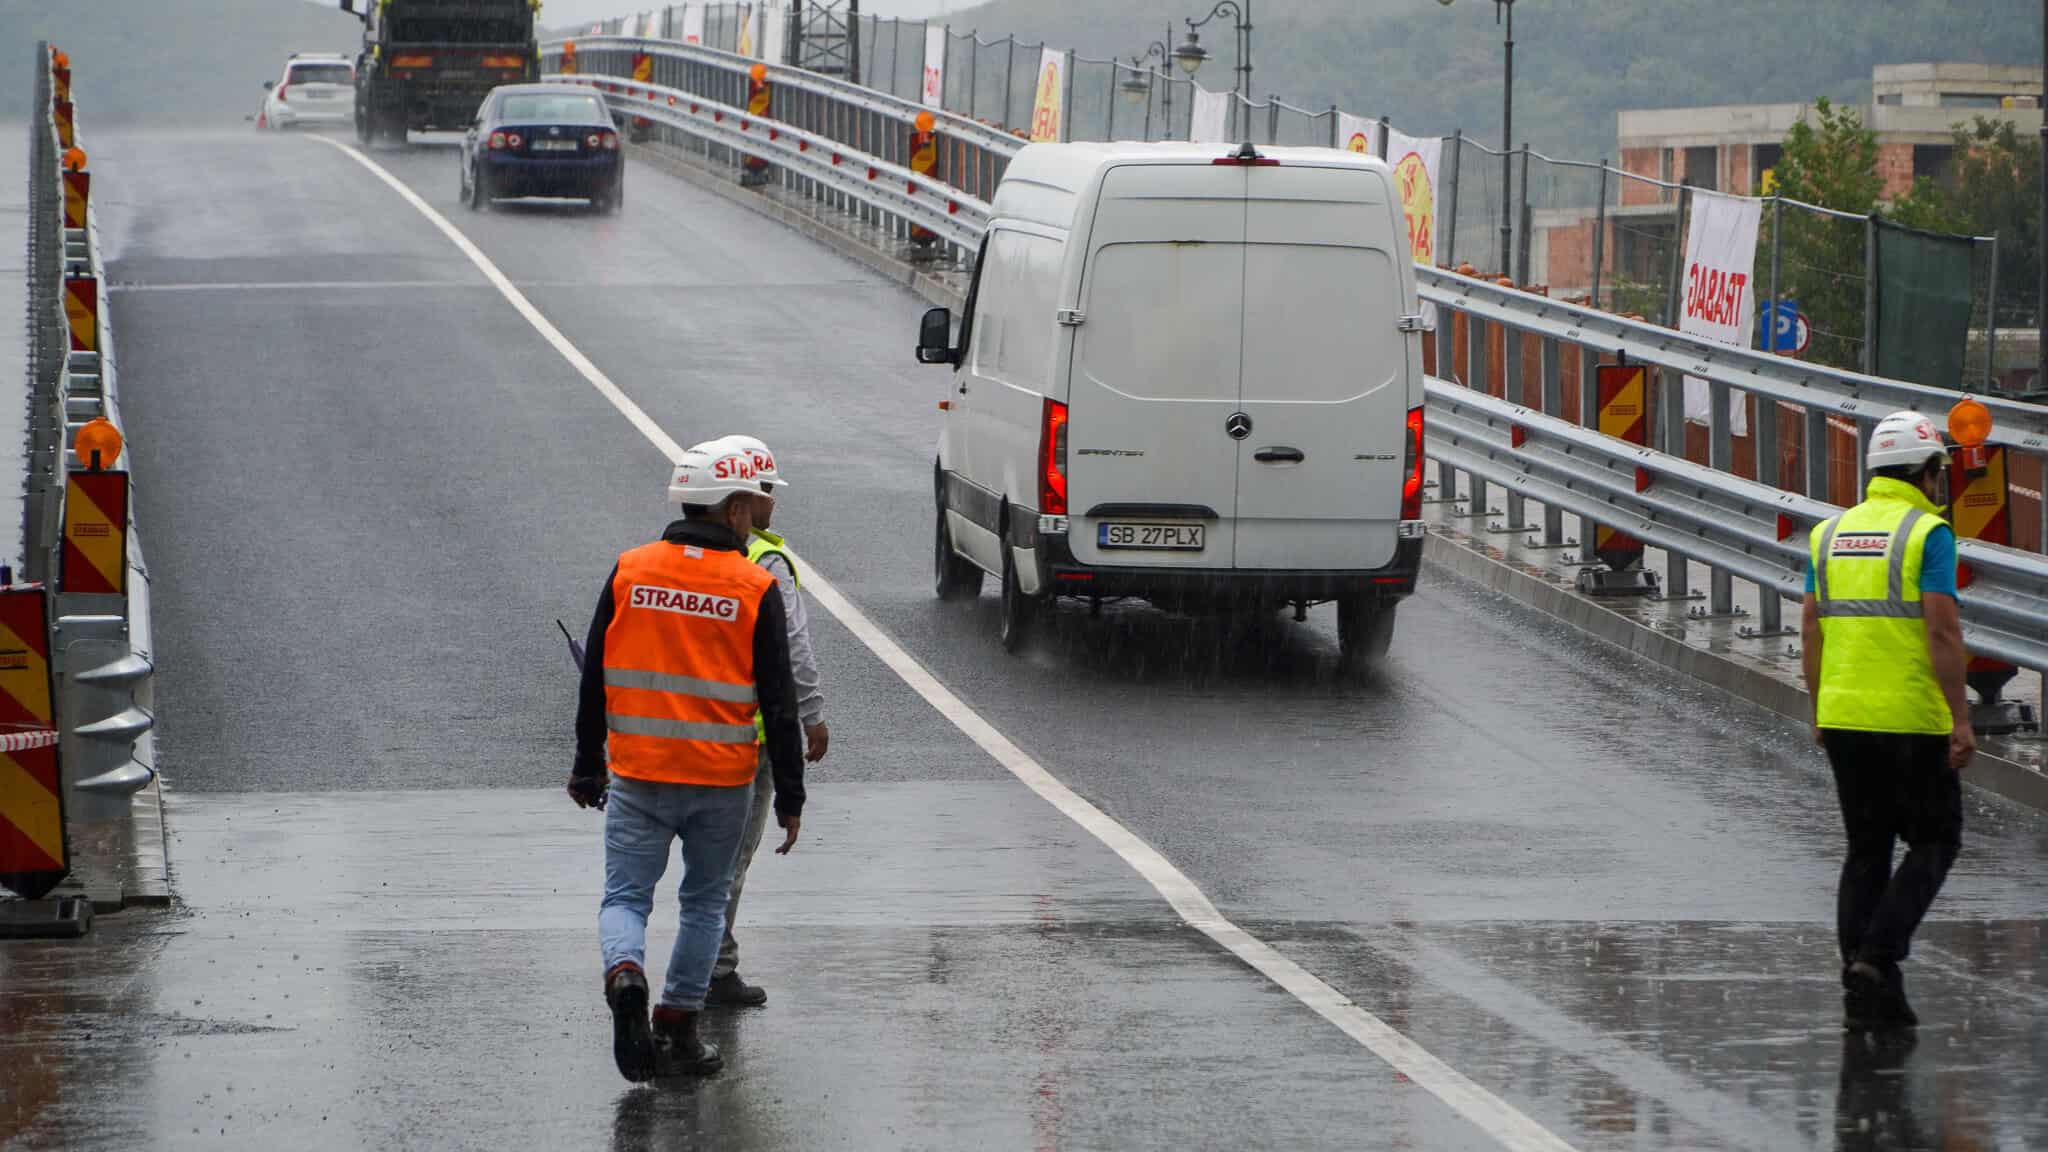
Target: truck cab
pixel 426 65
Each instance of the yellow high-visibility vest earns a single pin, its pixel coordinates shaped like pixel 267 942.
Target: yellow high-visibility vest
pixel 1876 674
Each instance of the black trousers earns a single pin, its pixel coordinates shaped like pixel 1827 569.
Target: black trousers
pixel 1892 787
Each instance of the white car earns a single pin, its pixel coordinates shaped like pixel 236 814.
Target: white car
pixel 316 89
pixel 1190 373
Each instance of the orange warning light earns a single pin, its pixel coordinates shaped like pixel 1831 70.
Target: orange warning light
pixel 925 120
pixel 760 73
pixel 63 60
pixel 74 159
pixel 102 437
pixel 1969 422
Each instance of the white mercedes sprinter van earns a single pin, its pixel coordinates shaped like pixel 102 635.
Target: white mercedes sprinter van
pixel 1190 373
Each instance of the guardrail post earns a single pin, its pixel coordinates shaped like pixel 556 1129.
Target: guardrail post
pixel 1589 417
pixel 1511 387
pixel 1671 402
pixel 1475 379
pixel 1721 457
pixel 1553 405
pixel 1816 453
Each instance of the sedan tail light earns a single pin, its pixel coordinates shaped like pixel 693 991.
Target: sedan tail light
pixel 497 141
pixel 610 141
pixel 514 140
pixel 593 142
pixel 1411 468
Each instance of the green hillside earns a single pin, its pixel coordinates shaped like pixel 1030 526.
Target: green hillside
pixel 189 63
pixel 1577 62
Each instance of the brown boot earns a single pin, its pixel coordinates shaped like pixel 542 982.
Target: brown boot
pixel 683 1051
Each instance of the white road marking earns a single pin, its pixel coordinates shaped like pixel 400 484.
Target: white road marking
pixel 1495 1116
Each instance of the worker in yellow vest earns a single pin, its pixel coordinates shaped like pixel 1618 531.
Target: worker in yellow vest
pixel 688 645
pixel 1884 661
pixel 771 553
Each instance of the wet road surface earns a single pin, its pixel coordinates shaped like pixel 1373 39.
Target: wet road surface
pixel 368 488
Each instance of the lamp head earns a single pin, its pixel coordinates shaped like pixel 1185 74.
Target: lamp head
pixel 1190 53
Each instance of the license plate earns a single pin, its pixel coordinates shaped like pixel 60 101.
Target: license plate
pixel 554 145
pixel 1170 537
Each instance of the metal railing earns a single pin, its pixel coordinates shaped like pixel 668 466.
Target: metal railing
pixel 845 146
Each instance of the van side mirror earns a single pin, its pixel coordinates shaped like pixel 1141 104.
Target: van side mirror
pixel 269 84
pixel 935 338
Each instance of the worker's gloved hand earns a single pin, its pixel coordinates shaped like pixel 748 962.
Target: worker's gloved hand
pixel 589 791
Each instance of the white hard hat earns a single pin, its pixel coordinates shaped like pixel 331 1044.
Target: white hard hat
pixel 1904 440
pixel 764 460
pixel 711 471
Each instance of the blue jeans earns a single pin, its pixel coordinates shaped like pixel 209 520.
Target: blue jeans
pixel 640 819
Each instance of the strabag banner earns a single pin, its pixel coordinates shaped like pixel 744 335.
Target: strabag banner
pixel 1358 134
pixel 1048 111
pixel 1416 160
pixel 1209 122
pixel 935 66
pixel 1720 290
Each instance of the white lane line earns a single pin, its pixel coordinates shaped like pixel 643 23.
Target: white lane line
pixel 1495 1116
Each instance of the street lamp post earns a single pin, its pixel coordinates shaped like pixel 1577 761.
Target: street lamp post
pixel 1136 89
pixel 1504 12
pixel 1191 54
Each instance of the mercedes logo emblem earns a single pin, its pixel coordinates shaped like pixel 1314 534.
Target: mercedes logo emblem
pixel 1239 425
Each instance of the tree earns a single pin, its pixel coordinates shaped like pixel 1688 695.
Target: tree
pixel 1829 161
pixel 1996 190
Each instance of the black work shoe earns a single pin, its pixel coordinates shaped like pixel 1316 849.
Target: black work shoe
pixel 683 1051
pixel 729 991
pixel 1876 997
pixel 625 989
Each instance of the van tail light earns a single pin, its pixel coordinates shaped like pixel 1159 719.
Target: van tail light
pixel 1411 468
pixel 281 90
pixel 1052 459
pixel 497 141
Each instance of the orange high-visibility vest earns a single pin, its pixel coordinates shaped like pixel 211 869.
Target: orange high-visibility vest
pixel 679 665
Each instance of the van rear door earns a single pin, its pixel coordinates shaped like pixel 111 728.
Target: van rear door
pixel 1155 369
pixel 1325 375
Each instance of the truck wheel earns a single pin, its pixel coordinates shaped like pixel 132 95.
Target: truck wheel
pixel 1020 612
pixel 362 125
pixel 1365 630
pixel 953 577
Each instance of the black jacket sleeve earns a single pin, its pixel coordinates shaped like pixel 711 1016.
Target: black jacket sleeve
pixel 775 691
pixel 590 725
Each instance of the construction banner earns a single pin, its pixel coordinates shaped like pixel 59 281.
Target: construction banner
pixel 1049 109
pixel 1923 305
pixel 95 559
pixel 82 312
pixel 34 856
pixel 933 94
pixel 1720 290
pixel 77 194
pixel 1416 161
pixel 693 23
pixel 1358 134
pixel 1623 391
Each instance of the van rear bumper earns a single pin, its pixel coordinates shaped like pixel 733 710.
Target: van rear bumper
pixel 1067 576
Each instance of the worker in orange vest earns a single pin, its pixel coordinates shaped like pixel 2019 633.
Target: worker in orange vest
pixel 689 640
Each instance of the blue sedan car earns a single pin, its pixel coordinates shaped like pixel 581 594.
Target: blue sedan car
pixel 543 140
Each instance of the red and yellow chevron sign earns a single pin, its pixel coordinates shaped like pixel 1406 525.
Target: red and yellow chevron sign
pixel 1981 509
pixel 77 193
pixel 61 110
pixel 82 312
pixel 1622 395
pixel 60 75
pixel 33 854
pixel 95 534
pixel 643 68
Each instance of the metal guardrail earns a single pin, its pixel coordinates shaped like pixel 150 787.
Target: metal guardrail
pixel 1737 528
pixel 100 643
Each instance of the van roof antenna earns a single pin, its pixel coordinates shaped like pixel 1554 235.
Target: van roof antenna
pixel 1246 153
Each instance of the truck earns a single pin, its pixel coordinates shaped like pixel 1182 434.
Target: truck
pixel 426 65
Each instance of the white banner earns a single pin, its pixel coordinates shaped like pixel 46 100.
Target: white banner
pixel 1358 134
pixel 935 66
pixel 750 29
pixel 1416 161
pixel 1209 122
pixel 693 23
pixel 774 34
pixel 1720 293
pixel 1049 110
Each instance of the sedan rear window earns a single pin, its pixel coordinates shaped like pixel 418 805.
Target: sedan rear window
pixel 322 74
pixel 551 109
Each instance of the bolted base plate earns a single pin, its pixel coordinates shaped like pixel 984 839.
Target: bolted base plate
pixel 1608 582
pixel 59 916
pixel 2003 718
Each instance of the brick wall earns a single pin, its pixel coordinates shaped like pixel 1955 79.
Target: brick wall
pixel 1895 168
pixel 1644 162
pixel 1739 178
